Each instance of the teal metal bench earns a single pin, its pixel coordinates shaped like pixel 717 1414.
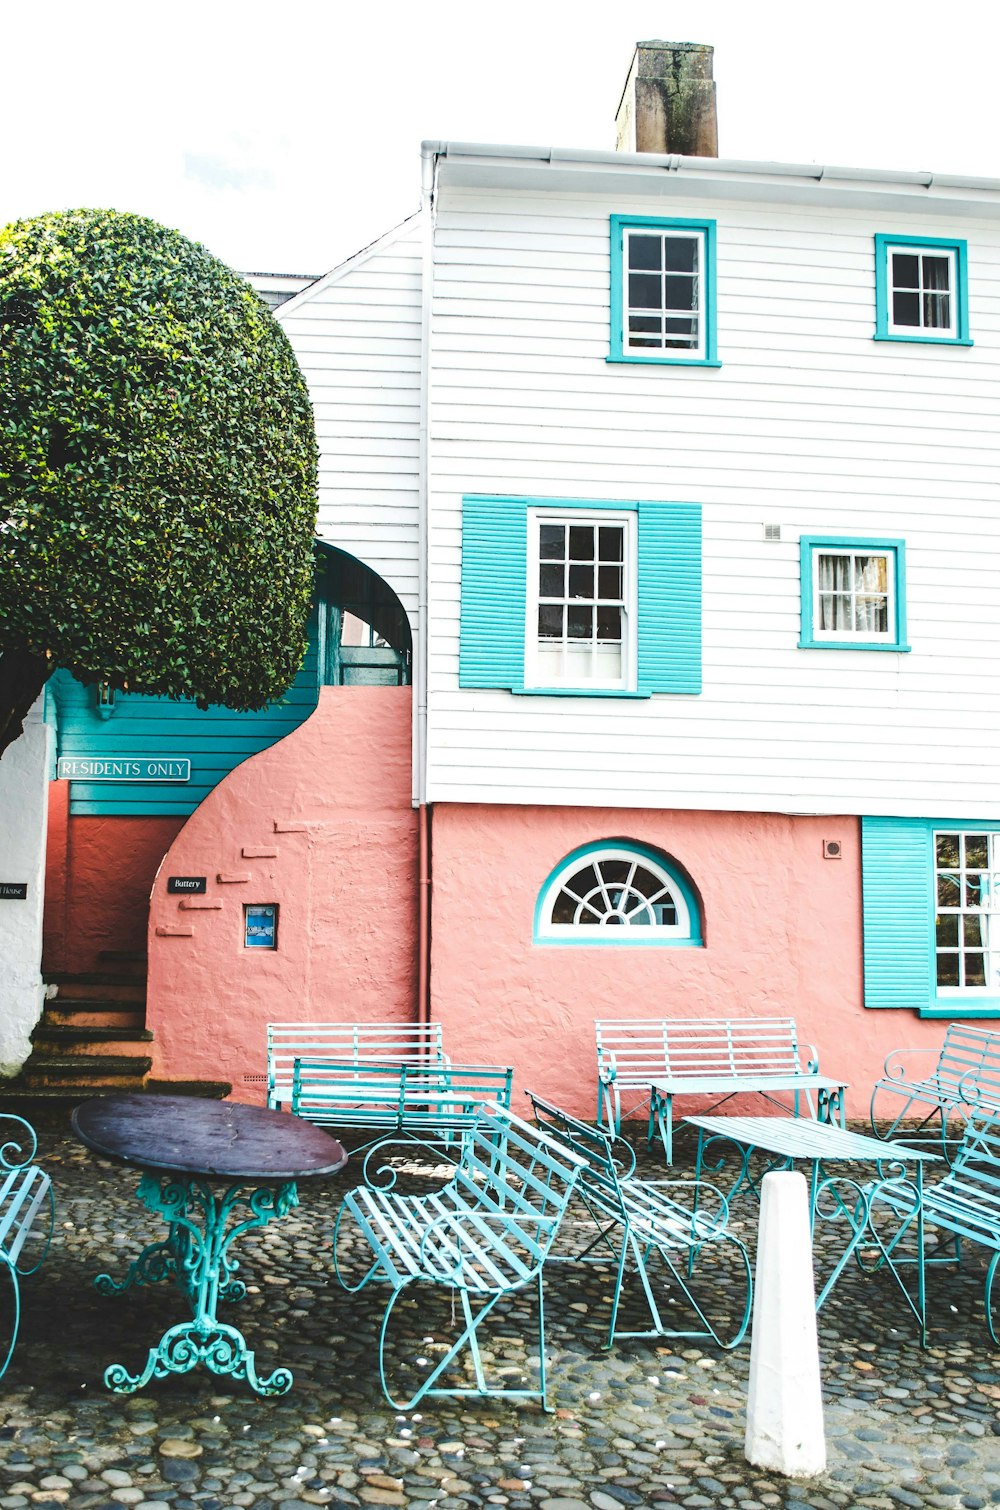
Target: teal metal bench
pixel 482 1237
pixel 653 1060
pixel 960 1078
pixel 638 1219
pixel 433 1105
pixel 25 1193
pixel 357 1043
pixel 965 1203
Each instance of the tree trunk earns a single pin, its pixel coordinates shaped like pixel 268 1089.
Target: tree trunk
pixel 22 676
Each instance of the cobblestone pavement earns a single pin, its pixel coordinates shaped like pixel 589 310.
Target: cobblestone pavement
pixel 647 1424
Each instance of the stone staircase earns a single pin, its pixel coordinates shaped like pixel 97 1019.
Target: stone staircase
pixel 92 1039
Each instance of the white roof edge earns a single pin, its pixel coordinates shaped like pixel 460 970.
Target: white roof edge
pixel 343 268
pixel 675 163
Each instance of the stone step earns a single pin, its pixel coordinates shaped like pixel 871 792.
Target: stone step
pixel 59 1100
pixel 54 1035
pixel 74 1007
pixel 73 978
pixel 52 1069
pixel 210 1090
pixel 108 998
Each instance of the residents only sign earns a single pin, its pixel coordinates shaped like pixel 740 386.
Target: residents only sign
pixel 123 768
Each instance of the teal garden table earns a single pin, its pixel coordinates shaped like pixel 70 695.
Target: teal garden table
pixel 213 1170
pixel 832 1196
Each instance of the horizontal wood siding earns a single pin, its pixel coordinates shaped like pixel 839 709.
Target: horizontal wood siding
pixel 809 424
pixel 214 740
pixel 357 337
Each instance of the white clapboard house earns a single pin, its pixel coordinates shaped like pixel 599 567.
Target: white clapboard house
pixel 685 470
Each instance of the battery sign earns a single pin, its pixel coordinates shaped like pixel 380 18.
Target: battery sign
pixel 261 927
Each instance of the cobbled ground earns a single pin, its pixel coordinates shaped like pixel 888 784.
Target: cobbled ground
pixel 649 1423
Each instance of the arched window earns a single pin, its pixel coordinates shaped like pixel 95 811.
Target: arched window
pixel 617 893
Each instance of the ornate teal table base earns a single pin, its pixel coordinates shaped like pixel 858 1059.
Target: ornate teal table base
pixel 203 1225
pixel 833 1197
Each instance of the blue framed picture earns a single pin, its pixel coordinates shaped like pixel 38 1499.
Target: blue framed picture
pixel 261 926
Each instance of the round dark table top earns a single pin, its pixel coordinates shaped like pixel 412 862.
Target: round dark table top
pixel 188 1135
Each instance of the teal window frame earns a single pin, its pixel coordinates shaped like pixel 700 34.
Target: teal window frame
pixel 494 594
pixel 618 938
pixel 618 352
pixel 809 545
pixel 960 294
pixel 899 917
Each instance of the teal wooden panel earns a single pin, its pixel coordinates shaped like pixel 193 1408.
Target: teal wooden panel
pixel 494 572
pixel 897 878
pixel 669 597
pixel 216 740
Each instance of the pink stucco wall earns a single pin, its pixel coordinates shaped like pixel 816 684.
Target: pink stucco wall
pixel 782 930
pixel 321 824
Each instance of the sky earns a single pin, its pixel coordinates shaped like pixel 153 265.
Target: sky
pixel 285 138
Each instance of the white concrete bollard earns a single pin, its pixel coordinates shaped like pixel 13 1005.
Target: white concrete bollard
pixel 785 1399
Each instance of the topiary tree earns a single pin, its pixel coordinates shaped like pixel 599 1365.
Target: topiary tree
pixel 157 469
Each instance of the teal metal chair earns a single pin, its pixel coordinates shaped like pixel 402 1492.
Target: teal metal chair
pixel 638 1221
pixel 25 1193
pixel 481 1238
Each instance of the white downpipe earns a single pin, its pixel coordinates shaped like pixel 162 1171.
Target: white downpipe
pixel 427 177
pixel 785 1399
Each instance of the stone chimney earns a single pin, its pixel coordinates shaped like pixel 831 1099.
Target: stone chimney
pixel 669 101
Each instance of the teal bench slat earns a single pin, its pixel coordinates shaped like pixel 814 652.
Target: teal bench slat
pixel 484 1235
pixel 961 1077
pixel 965 1203
pixel 704 1056
pixel 637 1220
pixel 429 1104
pixel 357 1043
pixel 25 1193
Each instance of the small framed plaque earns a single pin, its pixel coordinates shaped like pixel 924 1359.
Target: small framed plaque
pixel 260 925
pixel 13 891
pixel 189 886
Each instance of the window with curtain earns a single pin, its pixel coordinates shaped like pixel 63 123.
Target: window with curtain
pixel 967 899
pixel 921 285
pixel 921 290
pixel 852 594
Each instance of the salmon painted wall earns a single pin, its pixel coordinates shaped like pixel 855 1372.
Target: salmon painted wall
pixel 782 931
pixel 322 825
pixel 98 877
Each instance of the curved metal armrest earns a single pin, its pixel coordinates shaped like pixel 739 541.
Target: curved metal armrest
pixel 624 1164
pixel 973 1094
pixel 810 1053
pixel 718 1218
pixel 17 1148
pixel 447 1264
pixel 607 1068
pixel 894 1067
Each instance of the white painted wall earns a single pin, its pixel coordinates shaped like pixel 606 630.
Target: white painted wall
pixel 24 773
pixel 356 334
pixel 809 424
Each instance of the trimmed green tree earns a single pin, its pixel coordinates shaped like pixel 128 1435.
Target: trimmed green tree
pixel 157 469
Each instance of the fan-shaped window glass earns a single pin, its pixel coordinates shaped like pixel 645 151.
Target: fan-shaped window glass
pixel 616 894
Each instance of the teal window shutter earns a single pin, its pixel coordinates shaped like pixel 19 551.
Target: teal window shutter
pixel 669 597
pixel 494 573
pixel 897 878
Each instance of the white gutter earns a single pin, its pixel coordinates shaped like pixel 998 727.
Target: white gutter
pixel 652 162
pixel 428 172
